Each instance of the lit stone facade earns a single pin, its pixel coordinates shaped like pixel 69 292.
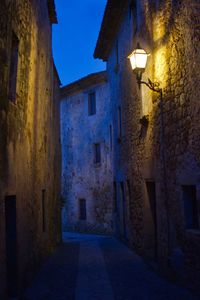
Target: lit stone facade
pixel 156 166
pixel 29 142
pixel 82 176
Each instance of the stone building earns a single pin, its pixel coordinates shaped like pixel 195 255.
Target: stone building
pixel 156 140
pixel 86 134
pixel 29 142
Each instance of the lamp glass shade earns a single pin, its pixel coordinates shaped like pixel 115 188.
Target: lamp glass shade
pixel 138 59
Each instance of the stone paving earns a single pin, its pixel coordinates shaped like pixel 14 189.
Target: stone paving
pixel 90 267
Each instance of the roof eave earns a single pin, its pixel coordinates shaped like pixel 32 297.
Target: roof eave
pixel 83 84
pixel 52 12
pixel 113 15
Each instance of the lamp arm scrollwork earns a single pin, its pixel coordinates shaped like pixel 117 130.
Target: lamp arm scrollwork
pixel 154 86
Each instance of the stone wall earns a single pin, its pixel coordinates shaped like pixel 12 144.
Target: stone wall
pixel 29 137
pixel 166 152
pixel 81 177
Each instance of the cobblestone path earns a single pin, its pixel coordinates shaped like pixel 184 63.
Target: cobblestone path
pixel 89 267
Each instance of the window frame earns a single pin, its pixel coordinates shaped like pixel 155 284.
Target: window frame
pixel 193 202
pixel 92 103
pixel 44 219
pixel 111 136
pixel 119 123
pixel 13 69
pixel 133 16
pixel 82 209
pixel 97 153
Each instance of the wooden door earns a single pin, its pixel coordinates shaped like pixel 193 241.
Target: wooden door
pixel 11 245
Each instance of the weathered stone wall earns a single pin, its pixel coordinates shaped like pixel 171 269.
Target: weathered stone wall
pixel 29 136
pixel 167 151
pixel 81 177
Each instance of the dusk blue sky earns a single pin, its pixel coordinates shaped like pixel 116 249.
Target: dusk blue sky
pixel 75 36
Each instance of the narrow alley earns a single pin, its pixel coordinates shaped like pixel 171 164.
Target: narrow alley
pixel 91 267
pixel 99 139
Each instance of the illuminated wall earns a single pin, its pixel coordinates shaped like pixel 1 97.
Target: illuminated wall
pixel 29 137
pixel 161 160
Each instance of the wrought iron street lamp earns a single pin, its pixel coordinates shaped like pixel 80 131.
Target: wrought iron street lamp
pixel 138 60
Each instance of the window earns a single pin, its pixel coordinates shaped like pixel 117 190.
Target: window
pixel 119 123
pixel 122 191
pixel 43 210
pixel 13 68
pixel 124 209
pixel 82 209
pixel 111 138
pixel 117 57
pixel 97 153
pixel 115 196
pixel 129 199
pixel 151 218
pixel 117 53
pixel 133 16
pixel 128 189
pixel 151 191
pixel 92 103
pixel 190 206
